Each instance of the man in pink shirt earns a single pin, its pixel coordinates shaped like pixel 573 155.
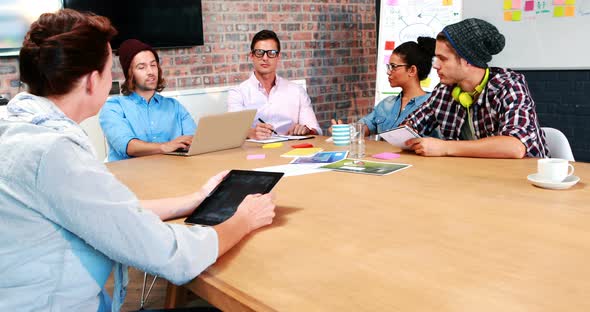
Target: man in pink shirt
pixel 283 106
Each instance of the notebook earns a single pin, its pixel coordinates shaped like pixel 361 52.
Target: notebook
pixel 219 132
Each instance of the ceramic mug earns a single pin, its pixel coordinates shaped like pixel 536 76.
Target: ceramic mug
pixel 341 134
pixel 554 169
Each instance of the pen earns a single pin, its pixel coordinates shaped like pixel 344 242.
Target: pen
pixel 273 130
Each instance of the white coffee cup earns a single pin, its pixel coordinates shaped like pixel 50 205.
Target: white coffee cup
pixel 554 169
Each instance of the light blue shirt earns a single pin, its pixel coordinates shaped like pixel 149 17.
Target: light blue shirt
pixel 65 219
pixel 388 114
pixel 124 118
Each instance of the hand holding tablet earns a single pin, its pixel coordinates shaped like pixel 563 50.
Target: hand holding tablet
pixel 231 192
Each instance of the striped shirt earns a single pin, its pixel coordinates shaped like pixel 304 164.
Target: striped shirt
pixel 504 108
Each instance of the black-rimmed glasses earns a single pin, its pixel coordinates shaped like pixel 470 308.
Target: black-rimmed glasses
pixel 259 53
pixel 393 66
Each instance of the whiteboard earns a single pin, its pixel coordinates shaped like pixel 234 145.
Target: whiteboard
pixel 406 20
pixel 544 37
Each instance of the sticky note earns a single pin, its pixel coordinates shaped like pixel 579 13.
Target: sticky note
pixel 516 15
pixel 558 2
pixel 426 82
pixel 447 2
pixel 272 145
pixel 389 45
pixel 529 5
pixel 570 10
pixel 255 156
pixel 516 4
pixel 386 155
pixel 392 2
pixel 507 5
pixel 508 16
pixel 558 11
pixel 386 59
pixel 302 152
pixel 570 2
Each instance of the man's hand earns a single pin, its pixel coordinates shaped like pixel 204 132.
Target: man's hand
pixel 298 129
pixel 334 122
pixel 428 146
pixel 183 142
pixel 262 131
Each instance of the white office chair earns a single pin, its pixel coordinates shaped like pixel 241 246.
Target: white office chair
pixel 559 146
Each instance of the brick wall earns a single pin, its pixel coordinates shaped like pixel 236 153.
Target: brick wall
pixel 330 43
pixel 563 102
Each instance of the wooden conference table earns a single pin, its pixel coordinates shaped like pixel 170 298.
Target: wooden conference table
pixel 447 234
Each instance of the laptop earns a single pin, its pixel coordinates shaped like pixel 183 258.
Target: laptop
pixel 219 132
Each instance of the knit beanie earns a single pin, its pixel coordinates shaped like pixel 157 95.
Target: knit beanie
pixel 475 40
pixel 127 51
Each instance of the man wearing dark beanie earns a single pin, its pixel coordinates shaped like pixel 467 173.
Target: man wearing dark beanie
pixel 142 122
pixel 479 111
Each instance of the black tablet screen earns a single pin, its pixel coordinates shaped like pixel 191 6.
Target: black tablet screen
pixel 225 199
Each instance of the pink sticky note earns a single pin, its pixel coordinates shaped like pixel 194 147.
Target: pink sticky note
pixel 386 155
pixel 392 2
pixel 558 2
pixel 386 59
pixel 516 4
pixel 529 5
pixel 256 156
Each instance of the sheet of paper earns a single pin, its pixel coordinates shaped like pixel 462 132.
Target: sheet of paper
pixel 294 170
pixel 269 140
pixel 297 137
pixel 398 137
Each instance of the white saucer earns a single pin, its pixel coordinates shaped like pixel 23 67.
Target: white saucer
pixel 567 183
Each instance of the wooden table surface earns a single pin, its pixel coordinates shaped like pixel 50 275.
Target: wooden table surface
pixel 447 234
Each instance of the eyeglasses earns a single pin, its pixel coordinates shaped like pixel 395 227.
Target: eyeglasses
pixel 259 53
pixel 392 66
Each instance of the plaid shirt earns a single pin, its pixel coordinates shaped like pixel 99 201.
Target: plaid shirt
pixel 504 108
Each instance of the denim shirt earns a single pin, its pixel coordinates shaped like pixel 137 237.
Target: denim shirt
pixel 160 120
pixel 65 219
pixel 388 115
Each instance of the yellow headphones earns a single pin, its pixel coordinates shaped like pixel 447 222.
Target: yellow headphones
pixel 466 98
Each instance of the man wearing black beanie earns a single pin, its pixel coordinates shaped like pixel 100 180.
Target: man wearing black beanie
pixel 479 111
pixel 142 122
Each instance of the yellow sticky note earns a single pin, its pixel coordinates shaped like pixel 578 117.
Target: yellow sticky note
pixel 426 82
pixel 570 2
pixel 517 15
pixel 302 152
pixel 447 2
pixel 272 145
pixel 570 10
pixel 508 16
pixel 558 11
pixel 507 5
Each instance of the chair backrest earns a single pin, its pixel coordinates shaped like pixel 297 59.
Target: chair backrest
pixel 559 146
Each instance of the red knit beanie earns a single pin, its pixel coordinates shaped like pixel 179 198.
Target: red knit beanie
pixel 127 51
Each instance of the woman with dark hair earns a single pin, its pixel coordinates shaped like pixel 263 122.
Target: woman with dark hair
pixel 409 64
pixel 66 221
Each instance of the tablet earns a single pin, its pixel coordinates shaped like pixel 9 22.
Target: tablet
pixel 398 136
pixel 223 201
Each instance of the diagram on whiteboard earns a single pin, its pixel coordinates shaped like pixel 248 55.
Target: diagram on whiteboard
pixel 406 20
